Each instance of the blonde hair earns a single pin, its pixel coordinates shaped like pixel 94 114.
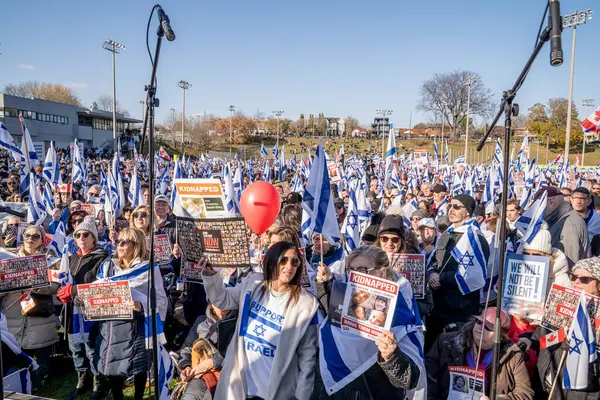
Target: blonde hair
pixel 132 220
pixel 138 239
pixel 377 256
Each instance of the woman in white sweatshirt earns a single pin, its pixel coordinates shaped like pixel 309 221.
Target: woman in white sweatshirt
pixel 273 352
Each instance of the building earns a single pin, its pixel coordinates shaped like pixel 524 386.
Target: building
pixel 50 121
pixel 336 127
pixel 381 125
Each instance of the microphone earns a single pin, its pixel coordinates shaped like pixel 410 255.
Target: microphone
pixel 556 53
pixel 166 24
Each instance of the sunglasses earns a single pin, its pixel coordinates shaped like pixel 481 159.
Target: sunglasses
pixel 76 208
pixel 385 239
pixel 295 261
pixel 141 214
pixel 123 242
pixel 583 279
pixel 35 236
pixel 84 235
pixel 11 183
pixel 339 207
pixel 456 206
pixel 364 270
pixel 77 220
pixel 486 326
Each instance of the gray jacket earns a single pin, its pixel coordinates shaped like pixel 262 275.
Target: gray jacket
pixel 569 233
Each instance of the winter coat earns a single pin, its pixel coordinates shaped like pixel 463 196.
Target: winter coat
pixel 569 233
pixel 450 305
pixel 383 380
pixel 293 366
pixel 451 349
pixel 32 332
pixel 559 267
pixel 334 260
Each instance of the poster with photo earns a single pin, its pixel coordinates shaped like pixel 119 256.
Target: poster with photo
pixel 334 175
pixel 20 231
pixel 466 383
pixel 223 241
pixel 106 301
pixel 199 198
pixel 162 249
pixel 524 288
pixel 366 304
pixel 191 272
pixel 23 273
pixel 561 305
pixel 412 267
pixel 336 303
pixel 89 209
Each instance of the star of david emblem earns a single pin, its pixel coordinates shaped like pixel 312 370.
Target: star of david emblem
pixel 352 221
pixel 575 348
pixel 466 260
pixel 259 330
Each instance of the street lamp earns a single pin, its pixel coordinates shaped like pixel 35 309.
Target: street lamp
pixel 231 111
pixel 114 48
pixel 184 85
pixel 278 114
pixel 383 114
pixel 468 83
pixel 587 103
pixel 577 18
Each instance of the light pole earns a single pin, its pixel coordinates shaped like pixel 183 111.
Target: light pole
pixel 383 114
pixel 231 111
pixel 142 103
pixel 577 18
pixel 278 114
pixel 184 85
pixel 469 83
pixel 173 126
pixel 587 103
pixel 114 48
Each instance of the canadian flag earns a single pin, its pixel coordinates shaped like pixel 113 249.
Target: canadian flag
pixel 552 338
pixel 592 123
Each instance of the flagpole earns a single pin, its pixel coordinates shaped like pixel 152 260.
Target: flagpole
pixel 24 141
pixel 560 366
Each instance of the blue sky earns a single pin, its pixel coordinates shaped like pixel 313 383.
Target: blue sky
pixel 340 57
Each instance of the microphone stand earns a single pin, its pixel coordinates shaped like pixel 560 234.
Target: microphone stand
pixel 509 111
pixel 149 123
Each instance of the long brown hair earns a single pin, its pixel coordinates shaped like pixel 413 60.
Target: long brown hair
pixel 271 271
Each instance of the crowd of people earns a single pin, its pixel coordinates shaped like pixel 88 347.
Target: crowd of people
pixel 266 331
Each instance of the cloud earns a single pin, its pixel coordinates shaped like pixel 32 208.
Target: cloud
pixel 77 85
pixel 29 67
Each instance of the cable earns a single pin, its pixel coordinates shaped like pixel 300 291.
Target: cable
pixel 537 37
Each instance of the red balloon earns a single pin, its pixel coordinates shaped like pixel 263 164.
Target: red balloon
pixel 260 204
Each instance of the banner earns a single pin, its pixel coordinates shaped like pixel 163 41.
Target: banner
pixel 366 304
pixel 23 273
pixel 561 305
pixel 162 249
pixel 466 383
pixel 524 289
pixel 412 267
pixel 199 198
pixel 106 301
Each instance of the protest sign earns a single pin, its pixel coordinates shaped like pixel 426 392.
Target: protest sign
pixel 465 383
pixel 20 231
pixel 366 304
pixel 199 198
pixel 89 209
pixel 106 301
pixel 162 249
pixel 334 175
pixel 23 273
pixel 561 304
pixel 336 303
pixel 223 241
pixel 524 289
pixel 412 267
pixel 20 208
pixel 191 272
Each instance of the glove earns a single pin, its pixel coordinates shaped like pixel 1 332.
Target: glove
pixel 66 293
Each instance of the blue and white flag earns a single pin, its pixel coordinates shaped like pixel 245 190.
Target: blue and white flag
pixel 389 158
pixel 275 151
pixel 498 152
pixel 230 203
pixel 523 155
pixel 297 185
pixel 319 214
pixel 582 349
pixel 48 199
pixel 79 170
pixel 59 239
pixel 26 142
pixel 435 149
pixel 36 213
pixel 530 222
pixel 459 160
pixel 51 171
pixel 282 166
pixel 351 226
pixel 345 356
pixel 135 194
pixel 263 150
pixel 471 273
pixel 267 172
pixel 408 209
pixel 176 175
pixel 442 210
pixel 8 143
pixel 446 155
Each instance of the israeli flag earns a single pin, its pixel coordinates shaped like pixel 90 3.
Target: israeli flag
pixel 176 175
pixel 582 349
pixel 282 166
pixel 350 227
pixel 78 171
pixel 389 158
pixel 523 155
pixel 297 185
pixel 263 151
pixel 345 356
pixel 228 191
pixel 530 222
pixel 27 142
pixel 471 273
pixel 443 208
pixel 435 149
pixel 459 160
pixel 135 194
pixel 318 214
pixel 47 199
pixel 275 151
pixel 498 152
pixel 36 212
pixel 407 211
pixel 8 143
pixel 267 172
pixel 51 171
pixel 163 181
pixel 58 240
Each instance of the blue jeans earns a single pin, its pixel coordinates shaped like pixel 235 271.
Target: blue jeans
pixel 83 356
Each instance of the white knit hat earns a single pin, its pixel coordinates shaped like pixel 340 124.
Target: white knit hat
pixel 88 224
pixel 542 241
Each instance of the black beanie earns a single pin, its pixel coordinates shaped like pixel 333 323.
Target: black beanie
pixel 370 234
pixel 466 201
pixel 392 224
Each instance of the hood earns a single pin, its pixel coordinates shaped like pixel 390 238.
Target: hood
pixel 557 214
pixel 558 263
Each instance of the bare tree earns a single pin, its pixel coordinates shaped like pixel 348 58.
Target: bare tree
pixel 104 103
pixel 45 91
pixel 446 94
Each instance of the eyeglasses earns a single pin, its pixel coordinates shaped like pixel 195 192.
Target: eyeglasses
pixel 295 261
pixel 77 220
pixel 35 236
pixel 486 326
pixel 123 242
pixel 11 183
pixel 83 235
pixel 583 279
pixel 579 198
pixel 456 206
pixel 364 270
pixel 384 239
pixel 92 194
pixel 141 214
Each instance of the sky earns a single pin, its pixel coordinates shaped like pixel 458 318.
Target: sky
pixel 339 57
